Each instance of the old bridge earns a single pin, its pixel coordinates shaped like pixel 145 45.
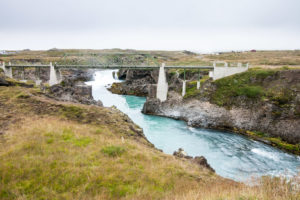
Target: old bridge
pixel 216 72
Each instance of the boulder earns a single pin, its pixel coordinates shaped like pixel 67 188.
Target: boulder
pixel 203 162
pixel 199 160
pixel 181 154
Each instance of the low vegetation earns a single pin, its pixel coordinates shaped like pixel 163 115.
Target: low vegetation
pixel 274 141
pixel 248 84
pixel 59 150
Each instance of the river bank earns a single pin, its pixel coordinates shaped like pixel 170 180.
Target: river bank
pixel 231 155
pixel 261 104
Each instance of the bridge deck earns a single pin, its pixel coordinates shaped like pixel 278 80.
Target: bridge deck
pixel 109 67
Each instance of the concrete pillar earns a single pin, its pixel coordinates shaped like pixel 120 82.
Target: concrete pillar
pixel 7 70
pixel 55 76
pixel 211 74
pixel 38 81
pixel 198 85
pixel 2 66
pixel 183 87
pixel 23 73
pixel 214 64
pixel 226 64
pixel 162 84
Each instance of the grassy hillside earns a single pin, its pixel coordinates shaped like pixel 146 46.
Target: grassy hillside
pixel 56 150
pixel 119 56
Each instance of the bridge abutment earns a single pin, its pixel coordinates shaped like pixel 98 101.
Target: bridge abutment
pixel 7 70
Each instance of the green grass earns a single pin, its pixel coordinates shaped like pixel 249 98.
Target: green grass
pixel 294 148
pixel 248 84
pixel 113 151
pixel 191 89
pixel 72 111
pixel 283 145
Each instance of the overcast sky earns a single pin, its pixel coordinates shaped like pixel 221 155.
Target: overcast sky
pixel 198 25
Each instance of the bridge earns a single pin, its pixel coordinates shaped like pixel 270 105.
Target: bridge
pixel 216 72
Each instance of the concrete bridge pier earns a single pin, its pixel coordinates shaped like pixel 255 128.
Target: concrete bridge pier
pixel 183 88
pixel 7 70
pixel 198 82
pixel 55 76
pixel 198 85
pixel 38 81
pixel 23 73
pixel 162 84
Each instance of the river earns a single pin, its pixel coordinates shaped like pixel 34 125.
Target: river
pixel 231 155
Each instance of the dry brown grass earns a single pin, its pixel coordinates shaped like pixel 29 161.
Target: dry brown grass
pixel 261 58
pixel 265 59
pixel 54 150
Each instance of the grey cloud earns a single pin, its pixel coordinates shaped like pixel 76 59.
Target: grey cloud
pixel 181 18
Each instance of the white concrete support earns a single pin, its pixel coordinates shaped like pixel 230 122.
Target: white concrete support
pixel 183 88
pixel 23 74
pixel 7 70
pixel 198 85
pixel 2 66
pixel 55 76
pixel 162 84
pixel 38 81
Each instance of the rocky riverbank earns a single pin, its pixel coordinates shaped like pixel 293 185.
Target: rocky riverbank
pixel 262 104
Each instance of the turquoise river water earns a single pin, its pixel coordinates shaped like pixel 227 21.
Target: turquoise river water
pixel 231 155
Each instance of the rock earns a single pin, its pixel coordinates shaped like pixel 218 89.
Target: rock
pixel 152 91
pixel 199 160
pixel 3 82
pixel 203 162
pixel 137 82
pixel 69 90
pixel 151 106
pixel 181 154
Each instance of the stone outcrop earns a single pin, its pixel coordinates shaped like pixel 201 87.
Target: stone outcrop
pixel 204 114
pixel 199 160
pixel 70 90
